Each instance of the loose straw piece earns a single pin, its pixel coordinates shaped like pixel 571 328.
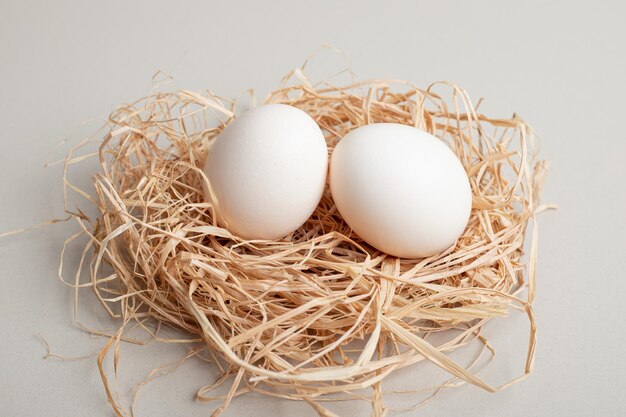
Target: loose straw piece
pixel 282 316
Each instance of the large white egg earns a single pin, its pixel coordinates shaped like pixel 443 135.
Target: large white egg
pixel 267 171
pixel 400 189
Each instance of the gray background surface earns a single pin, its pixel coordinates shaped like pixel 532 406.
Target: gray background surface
pixel 558 64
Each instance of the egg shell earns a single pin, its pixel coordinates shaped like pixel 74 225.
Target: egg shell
pixel 400 189
pixel 267 171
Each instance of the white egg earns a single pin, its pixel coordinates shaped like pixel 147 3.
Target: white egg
pixel 400 189
pixel 267 171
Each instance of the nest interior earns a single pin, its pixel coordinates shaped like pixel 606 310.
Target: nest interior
pixel 318 314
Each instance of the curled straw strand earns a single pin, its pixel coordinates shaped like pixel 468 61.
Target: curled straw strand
pixel 282 317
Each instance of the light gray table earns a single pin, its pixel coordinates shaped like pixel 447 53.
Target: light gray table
pixel 559 64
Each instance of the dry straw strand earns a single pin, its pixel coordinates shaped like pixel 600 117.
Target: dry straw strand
pixel 319 315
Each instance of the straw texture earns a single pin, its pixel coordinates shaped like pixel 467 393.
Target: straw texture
pixel 319 315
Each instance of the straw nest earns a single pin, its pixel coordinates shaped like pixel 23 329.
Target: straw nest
pixel 318 315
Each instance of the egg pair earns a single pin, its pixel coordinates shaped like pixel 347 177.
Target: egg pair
pixel 400 189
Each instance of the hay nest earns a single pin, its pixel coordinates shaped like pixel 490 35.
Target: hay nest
pixel 319 314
